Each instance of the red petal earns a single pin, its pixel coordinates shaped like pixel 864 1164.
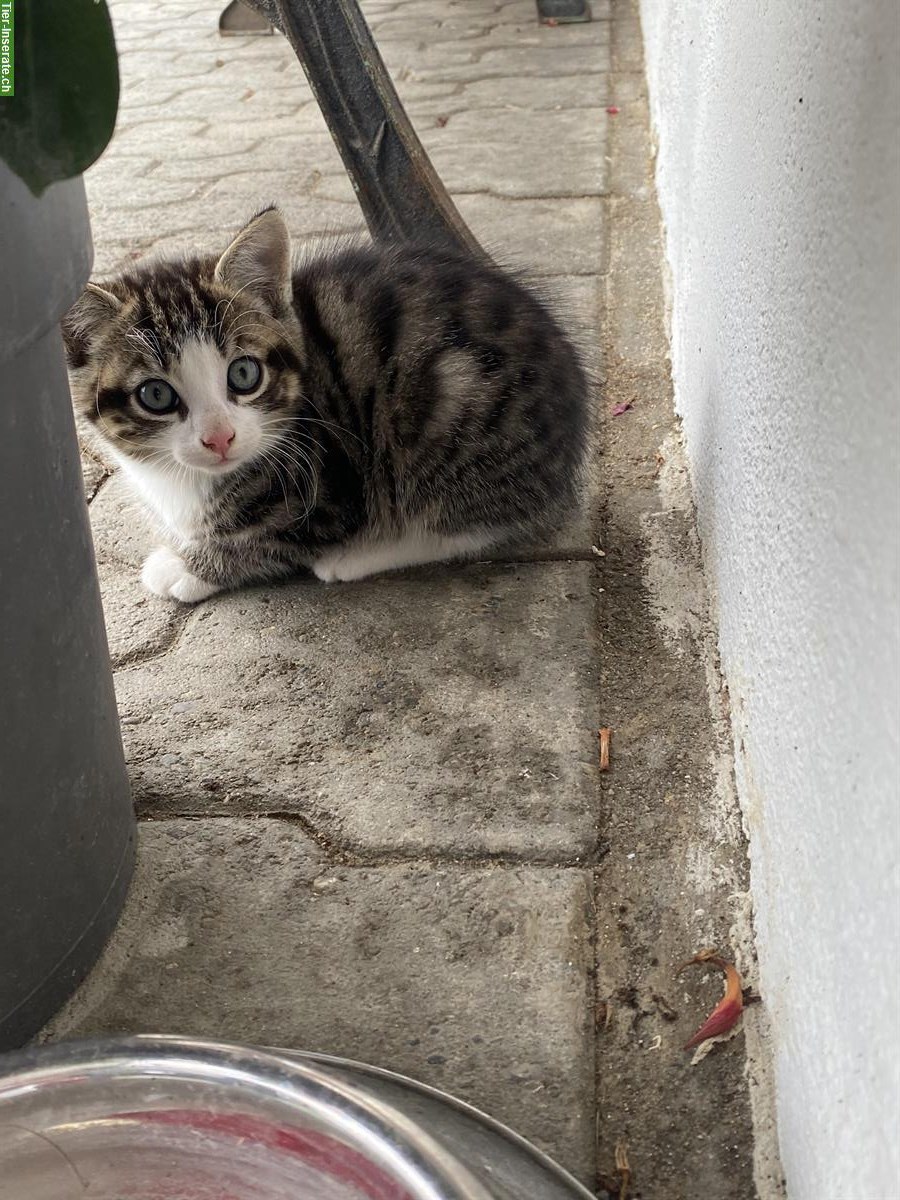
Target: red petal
pixel 722 1018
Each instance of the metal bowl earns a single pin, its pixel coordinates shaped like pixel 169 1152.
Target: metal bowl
pixel 152 1118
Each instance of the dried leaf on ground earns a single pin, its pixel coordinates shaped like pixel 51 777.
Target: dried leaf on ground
pixel 623 1166
pixel 726 1014
pixel 604 735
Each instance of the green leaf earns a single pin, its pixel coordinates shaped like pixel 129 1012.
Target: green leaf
pixel 67 90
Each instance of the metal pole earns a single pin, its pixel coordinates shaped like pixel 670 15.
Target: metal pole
pixel 399 191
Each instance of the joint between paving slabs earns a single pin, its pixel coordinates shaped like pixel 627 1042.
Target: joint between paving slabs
pixel 181 620
pixel 342 854
pixel 91 494
pixel 599 1009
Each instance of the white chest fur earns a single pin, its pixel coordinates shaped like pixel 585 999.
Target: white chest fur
pixel 177 497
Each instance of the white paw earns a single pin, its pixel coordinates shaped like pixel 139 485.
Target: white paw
pixel 328 567
pixel 166 574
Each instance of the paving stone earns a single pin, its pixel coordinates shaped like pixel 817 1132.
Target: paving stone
pixel 420 91
pixel 141 225
pixel 117 255
pixel 169 138
pixel 157 124
pixel 451 710
pixel 106 175
pixel 493 168
pixel 140 94
pixel 629 41
pixel 137 626
pixel 545 154
pixel 141 66
pixel 428 62
pixel 478 31
pixel 307 212
pixel 628 86
pixel 636 329
pixel 631 174
pixel 475 980
pixel 445 59
pixel 208 221
pixel 122 532
pixel 267 162
pixel 445 714
pixel 149 195
pixel 543 236
pixel 543 134
pixel 332 184
pixel 224 100
pixel 562 92
pixel 420 16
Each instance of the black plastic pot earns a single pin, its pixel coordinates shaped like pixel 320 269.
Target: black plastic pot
pixel 66 820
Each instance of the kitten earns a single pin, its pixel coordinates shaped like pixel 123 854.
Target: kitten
pixel 370 409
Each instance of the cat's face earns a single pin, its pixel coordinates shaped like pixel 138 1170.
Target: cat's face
pixel 194 364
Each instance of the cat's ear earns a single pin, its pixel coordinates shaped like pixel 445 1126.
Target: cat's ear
pixel 85 321
pixel 258 261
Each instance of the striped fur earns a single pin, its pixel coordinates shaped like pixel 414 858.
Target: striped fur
pixel 414 405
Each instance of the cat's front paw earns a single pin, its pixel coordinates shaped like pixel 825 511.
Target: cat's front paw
pixel 166 574
pixel 328 567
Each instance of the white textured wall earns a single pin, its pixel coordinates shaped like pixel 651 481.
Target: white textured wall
pixel 779 179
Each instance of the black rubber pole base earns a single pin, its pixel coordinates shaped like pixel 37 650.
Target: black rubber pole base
pixel 563 12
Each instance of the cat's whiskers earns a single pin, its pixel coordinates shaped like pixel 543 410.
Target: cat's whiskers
pixel 319 419
pixel 303 461
pixel 316 449
pixel 266 463
pixel 336 429
pixel 270 459
pixel 339 431
pixel 291 453
pixel 311 481
pixel 292 458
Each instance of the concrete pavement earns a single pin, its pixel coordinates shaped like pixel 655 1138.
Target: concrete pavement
pixel 372 821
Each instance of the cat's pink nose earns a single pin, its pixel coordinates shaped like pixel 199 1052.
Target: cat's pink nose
pixel 219 440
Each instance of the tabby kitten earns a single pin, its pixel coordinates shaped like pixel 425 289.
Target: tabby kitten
pixel 369 409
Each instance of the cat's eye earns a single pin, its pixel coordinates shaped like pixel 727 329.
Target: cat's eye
pixel 244 375
pixel 157 396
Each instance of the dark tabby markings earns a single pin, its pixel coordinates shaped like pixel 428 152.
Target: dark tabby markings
pixel 319 338
pixel 111 398
pixel 282 358
pixel 386 322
